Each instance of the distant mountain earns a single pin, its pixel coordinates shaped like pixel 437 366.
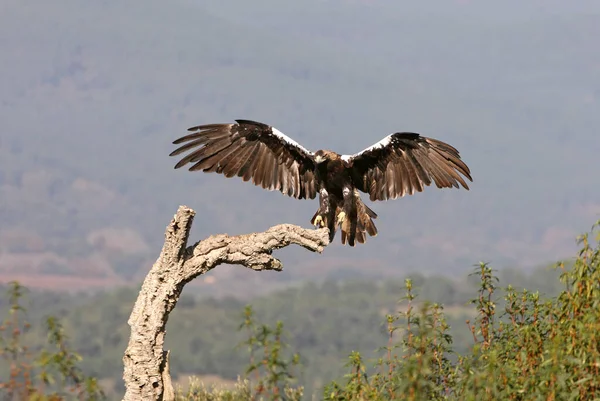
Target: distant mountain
pixel 94 93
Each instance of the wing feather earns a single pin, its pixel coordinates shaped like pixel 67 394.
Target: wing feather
pixel 449 174
pixel 404 163
pixel 438 174
pixel 235 162
pixel 247 168
pixel 412 179
pixel 252 151
pixel 257 177
pixel 422 177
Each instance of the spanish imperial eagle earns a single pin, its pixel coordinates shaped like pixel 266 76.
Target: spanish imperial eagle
pixel 398 165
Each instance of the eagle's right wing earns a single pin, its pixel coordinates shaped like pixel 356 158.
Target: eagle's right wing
pixel 404 163
pixel 251 150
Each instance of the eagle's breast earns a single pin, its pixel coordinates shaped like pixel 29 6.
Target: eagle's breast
pixel 336 174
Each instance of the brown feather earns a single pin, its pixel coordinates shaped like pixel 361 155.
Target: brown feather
pixel 405 163
pixel 259 167
pixel 236 161
pixel 252 151
pixel 247 167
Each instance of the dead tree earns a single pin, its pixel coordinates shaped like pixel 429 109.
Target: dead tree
pixel 146 363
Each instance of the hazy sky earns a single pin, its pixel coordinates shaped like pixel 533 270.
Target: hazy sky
pixel 94 93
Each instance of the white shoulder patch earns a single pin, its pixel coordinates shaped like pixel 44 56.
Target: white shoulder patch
pixel 289 140
pixel 381 144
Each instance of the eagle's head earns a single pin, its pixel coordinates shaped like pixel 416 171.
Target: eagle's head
pixel 325 155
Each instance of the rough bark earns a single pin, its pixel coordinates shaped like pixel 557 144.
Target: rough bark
pixel 146 372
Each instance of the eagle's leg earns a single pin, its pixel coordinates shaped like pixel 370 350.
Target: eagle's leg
pixel 347 206
pixel 340 217
pixel 320 217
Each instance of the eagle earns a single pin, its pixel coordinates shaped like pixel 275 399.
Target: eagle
pixel 400 164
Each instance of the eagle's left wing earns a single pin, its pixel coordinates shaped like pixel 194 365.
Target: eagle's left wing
pixel 253 151
pixel 404 163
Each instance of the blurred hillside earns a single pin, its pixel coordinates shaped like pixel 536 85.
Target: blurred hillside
pixel 94 93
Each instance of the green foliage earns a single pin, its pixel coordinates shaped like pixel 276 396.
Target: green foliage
pixel 523 345
pixel 242 391
pixel 535 350
pixel 418 364
pixel 50 373
pixel 323 320
pixel 197 391
pixel 268 375
pixel 272 373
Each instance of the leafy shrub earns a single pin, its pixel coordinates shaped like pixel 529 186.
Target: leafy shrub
pixel 531 350
pixel 49 374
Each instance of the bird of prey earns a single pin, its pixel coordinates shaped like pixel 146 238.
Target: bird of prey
pixel 400 164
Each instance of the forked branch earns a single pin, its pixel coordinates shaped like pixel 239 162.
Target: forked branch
pixel 146 373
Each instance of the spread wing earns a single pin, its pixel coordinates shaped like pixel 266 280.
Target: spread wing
pixel 251 150
pixel 405 162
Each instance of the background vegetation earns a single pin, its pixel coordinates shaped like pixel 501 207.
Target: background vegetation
pixel 323 322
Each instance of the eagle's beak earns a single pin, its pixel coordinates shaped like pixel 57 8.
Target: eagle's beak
pixel 319 159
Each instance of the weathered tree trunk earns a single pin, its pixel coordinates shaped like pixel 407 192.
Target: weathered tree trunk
pixel 146 364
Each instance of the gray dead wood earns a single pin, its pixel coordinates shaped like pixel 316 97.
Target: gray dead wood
pixel 146 372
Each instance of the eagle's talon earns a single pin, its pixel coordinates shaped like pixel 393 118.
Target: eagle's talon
pixel 340 218
pixel 319 221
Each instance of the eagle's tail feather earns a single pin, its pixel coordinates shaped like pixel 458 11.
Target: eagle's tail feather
pixel 361 237
pixel 366 216
pixel 362 220
pixel 331 226
pixel 368 210
pixel 350 225
pixel 346 237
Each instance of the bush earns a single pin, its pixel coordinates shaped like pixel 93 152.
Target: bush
pixel 532 350
pixel 50 373
pixel 269 374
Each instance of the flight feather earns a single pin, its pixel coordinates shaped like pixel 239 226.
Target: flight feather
pixel 404 163
pixel 253 151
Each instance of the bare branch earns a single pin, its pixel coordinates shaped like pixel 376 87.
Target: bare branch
pixel 146 373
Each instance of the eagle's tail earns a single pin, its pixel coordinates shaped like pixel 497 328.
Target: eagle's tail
pixel 348 228
pixel 366 216
pixel 331 223
pixel 357 223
